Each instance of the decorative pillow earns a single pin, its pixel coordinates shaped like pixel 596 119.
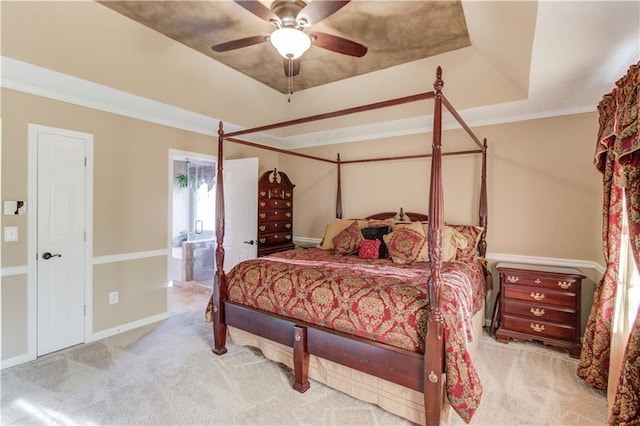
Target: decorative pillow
pixel 418 227
pixel 369 249
pixel 348 240
pixel 331 230
pixel 404 245
pixel 472 234
pixel 377 233
pixel 452 240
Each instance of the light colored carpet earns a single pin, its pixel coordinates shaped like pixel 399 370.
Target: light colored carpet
pixel 166 374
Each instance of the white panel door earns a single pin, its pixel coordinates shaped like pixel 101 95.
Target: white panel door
pixel 240 210
pixel 60 241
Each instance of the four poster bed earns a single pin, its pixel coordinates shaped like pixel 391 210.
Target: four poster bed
pixel 385 330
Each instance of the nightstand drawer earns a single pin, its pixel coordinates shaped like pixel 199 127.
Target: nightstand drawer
pixel 540 312
pixel 552 283
pixel 537 295
pixel 539 328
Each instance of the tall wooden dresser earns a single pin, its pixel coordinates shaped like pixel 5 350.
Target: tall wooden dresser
pixel 275 212
pixel 540 303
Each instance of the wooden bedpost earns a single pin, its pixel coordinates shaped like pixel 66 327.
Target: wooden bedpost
pixel 220 281
pixel 434 341
pixel 483 213
pixel 339 191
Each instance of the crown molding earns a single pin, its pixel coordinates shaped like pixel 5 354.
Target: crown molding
pixel 39 81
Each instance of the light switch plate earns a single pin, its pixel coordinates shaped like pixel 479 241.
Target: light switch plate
pixel 10 233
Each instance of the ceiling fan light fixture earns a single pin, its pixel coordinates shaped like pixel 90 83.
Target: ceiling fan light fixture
pixel 290 43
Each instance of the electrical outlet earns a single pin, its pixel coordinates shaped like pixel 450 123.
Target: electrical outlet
pixel 113 297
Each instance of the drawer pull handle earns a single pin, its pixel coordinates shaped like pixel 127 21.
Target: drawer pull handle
pixel 537 328
pixel 262 204
pixel 537 281
pixel 262 227
pixel 262 240
pixel 263 215
pixel 564 285
pixel 513 279
pixel 537 296
pixel 537 312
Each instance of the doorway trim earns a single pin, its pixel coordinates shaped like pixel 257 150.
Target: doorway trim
pixel 176 154
pixel 32 236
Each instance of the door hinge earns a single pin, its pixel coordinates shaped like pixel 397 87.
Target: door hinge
pixel 85 161
pixel 85 310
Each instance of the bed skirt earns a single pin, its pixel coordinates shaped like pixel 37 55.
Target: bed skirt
pixel 394 398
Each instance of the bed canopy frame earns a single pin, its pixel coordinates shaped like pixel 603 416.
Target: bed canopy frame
pixel 415 371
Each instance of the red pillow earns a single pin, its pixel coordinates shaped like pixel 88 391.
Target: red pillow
pixel 369 249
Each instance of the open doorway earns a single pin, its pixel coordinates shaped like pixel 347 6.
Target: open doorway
pixel 192 225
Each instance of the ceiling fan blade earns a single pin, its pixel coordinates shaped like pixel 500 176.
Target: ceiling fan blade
pixel 317 10
pixel 241 42
pixel 338 44
pixel 295 67
pixel 258 9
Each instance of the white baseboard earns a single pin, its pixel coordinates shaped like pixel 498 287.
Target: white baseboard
pixel 17 360
pixel 550 261
pixel 126 327
pixel 515 258
pixel 307 240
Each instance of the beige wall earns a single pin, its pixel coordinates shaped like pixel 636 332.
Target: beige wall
pixel 544 194
pixel 130 208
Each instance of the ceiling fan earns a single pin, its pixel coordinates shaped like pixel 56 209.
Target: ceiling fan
pixel 291 18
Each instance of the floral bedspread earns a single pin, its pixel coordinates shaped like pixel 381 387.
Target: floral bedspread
pixel 373 299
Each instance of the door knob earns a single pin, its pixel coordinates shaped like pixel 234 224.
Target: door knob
pixel 46 255
pixel 250 242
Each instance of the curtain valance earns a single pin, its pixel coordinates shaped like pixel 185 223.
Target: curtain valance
pixel 618 110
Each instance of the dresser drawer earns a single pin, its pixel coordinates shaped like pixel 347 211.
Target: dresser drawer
pixel 275 204
pixel 540 312
pixel 270 227
pixel 533 295
pixel 275 192
pixel 276 238
pixel 541 281
pixel 279 215
pixel 539 328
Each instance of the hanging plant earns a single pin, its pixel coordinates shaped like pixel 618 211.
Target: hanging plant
pixel 182 180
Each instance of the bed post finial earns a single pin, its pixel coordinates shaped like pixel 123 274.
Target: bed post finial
pixel 220 281
pixel 439 83
pixel 339 190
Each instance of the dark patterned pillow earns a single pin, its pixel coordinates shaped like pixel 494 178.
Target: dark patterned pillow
pixel 404 245
pixel 348 240
pixel 369 249
pixel 377 233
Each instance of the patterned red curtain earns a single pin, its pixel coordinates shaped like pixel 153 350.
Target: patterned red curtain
pixel 618 159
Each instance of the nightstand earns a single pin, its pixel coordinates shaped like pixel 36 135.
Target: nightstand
pixel 540 303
